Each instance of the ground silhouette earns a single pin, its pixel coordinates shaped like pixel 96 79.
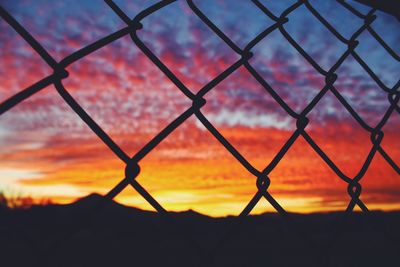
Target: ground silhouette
pixel 98 232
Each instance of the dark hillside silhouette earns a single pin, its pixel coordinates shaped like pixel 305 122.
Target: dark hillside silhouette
pixel 97 232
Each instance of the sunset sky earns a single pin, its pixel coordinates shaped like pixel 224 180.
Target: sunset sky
pixel 47 151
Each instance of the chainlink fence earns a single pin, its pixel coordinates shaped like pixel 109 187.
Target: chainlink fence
pixel 262 180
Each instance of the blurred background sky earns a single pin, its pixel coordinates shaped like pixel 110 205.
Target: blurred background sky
pixel 47 151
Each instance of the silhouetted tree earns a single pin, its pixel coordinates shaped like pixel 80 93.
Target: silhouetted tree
pixel 3 201
pixel 18 201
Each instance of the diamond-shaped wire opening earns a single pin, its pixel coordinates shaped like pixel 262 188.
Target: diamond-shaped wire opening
pixel 314 38
pixel 248 117
pixel 281 66
pixel 303 182
pixel 130 98
pixel 379 61
pixel 339 135
pixel 182 173
pixel 361 92
pixel 193 53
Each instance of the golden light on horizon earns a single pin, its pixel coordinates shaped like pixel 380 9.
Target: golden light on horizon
pixel 202 175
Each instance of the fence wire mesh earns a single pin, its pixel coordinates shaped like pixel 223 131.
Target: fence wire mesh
pixel 261 177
